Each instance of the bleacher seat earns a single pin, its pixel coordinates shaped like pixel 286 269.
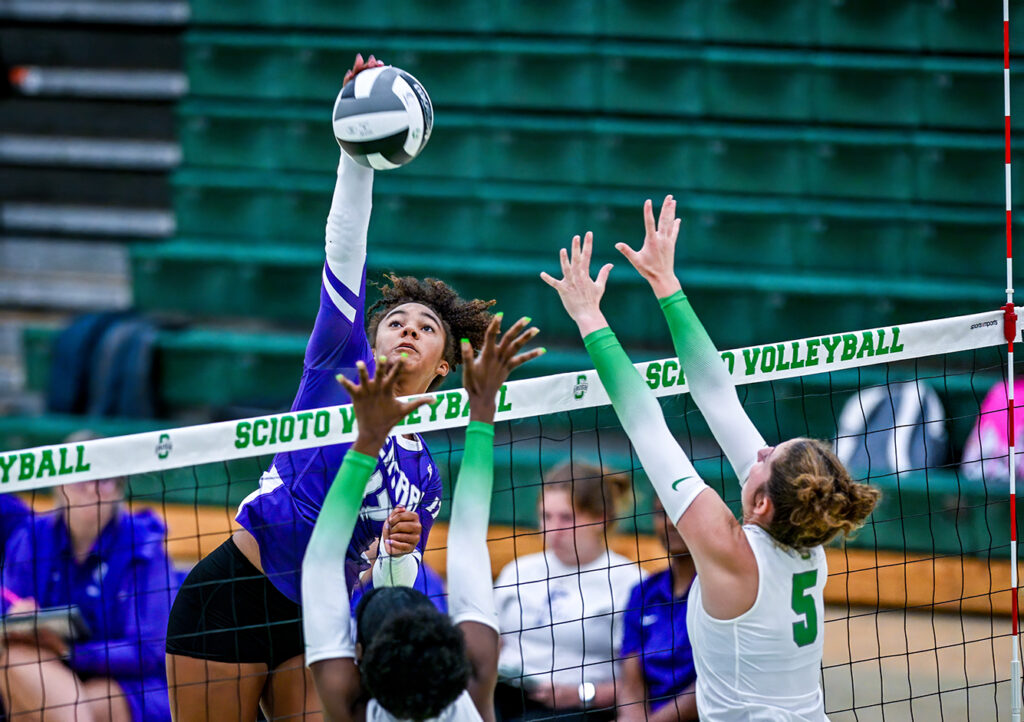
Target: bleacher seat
pixel 616 76
pixel 714 157
pixel 907 25
pixel 881 239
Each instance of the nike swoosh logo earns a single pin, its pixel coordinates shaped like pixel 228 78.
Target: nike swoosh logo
pixel 677 482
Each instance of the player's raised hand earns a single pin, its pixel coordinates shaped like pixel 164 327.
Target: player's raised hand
pixel 360 65
pixel 581 294
pixel 483 375
pixel 656 259
pixel 377 409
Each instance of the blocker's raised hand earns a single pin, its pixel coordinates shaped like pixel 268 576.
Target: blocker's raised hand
pixel 656 259
pixel 483 375
pixel 580 294
pixel 377 409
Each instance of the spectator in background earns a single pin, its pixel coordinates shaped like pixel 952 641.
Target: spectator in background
pixel 988 444
pixel 560 610
pixel 112 564
pixel 658 674
pixel 14 513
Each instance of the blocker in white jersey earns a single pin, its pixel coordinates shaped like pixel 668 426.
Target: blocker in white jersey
pixel 765 663
pixel 755 611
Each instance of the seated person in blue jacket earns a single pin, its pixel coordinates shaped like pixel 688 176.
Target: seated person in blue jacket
pixel 112 564
pixel 14 513
pixel 658 674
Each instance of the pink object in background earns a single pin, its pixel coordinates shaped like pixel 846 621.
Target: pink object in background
pixel 988 443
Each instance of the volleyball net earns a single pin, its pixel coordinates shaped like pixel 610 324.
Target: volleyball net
pixel 918 604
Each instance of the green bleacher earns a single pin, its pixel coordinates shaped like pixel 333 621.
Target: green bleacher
pixel 615 76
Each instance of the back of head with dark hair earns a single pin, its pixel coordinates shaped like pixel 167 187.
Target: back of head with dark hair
pixel 415 663
pixel 593 491
pixel 815 498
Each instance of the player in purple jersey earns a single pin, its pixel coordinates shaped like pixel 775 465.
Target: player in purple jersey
pixel 234 637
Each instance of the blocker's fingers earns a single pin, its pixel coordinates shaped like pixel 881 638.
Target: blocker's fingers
pixel 626 250
pixel 513 331
pixel 575 255
pixel 467 353
pixel 563 257
pixel 522 358
pixel 668 211
pixel 390 372
pixel 521 340
pixel 491 332
pixel 602 275
pixel 588 249
pixel 347 384
pixel 649 217
pixel 466 348
pixel 549 279
pixel 675 228
pixel 364 375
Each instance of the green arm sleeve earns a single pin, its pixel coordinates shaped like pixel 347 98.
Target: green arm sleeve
pixel 470 596
pixel 670 471
pixel 326 617
pixel 711 386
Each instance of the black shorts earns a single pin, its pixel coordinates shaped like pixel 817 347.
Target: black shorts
pixel 228 611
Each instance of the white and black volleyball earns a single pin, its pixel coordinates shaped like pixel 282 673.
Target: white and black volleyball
pixel 383 118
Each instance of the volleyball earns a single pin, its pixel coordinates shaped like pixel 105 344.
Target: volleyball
pixel 383 118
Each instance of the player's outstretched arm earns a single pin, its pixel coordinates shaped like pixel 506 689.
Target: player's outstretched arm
pixel 723 557
pixel 710 385
pixel 342 291
pixel 330 651
pixel 470 595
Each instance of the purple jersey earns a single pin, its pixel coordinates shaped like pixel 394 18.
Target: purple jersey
pixel 282 512
pixel 654 627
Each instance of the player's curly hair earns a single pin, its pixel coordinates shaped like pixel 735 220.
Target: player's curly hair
pixel 459 317
pixel 814 496
pixel 415 664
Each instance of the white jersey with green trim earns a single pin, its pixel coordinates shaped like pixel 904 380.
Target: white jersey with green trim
pixel 461 710
pixel 764 665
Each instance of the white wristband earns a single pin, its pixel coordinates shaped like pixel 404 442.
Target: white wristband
pixel 395 571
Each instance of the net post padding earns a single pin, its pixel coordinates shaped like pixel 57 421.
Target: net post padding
pixel 159 451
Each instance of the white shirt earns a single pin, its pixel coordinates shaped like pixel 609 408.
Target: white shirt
pixel 766 663
pixel 461 710
pixel 562 623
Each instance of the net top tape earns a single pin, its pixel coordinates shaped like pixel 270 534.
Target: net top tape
pixel 156 451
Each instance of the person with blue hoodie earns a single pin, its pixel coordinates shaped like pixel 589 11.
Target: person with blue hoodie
pixel 14 513
pixel 93 553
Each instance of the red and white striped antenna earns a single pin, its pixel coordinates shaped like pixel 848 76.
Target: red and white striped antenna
pixel 1010 328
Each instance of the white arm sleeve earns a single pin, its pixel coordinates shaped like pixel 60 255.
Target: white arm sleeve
pixel 396 571
pixel 668 468
pixel 711 387
pixel 347 225
pixel 326 615
pixel 470 595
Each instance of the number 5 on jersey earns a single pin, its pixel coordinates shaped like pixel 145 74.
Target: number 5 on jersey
pixel 805 632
